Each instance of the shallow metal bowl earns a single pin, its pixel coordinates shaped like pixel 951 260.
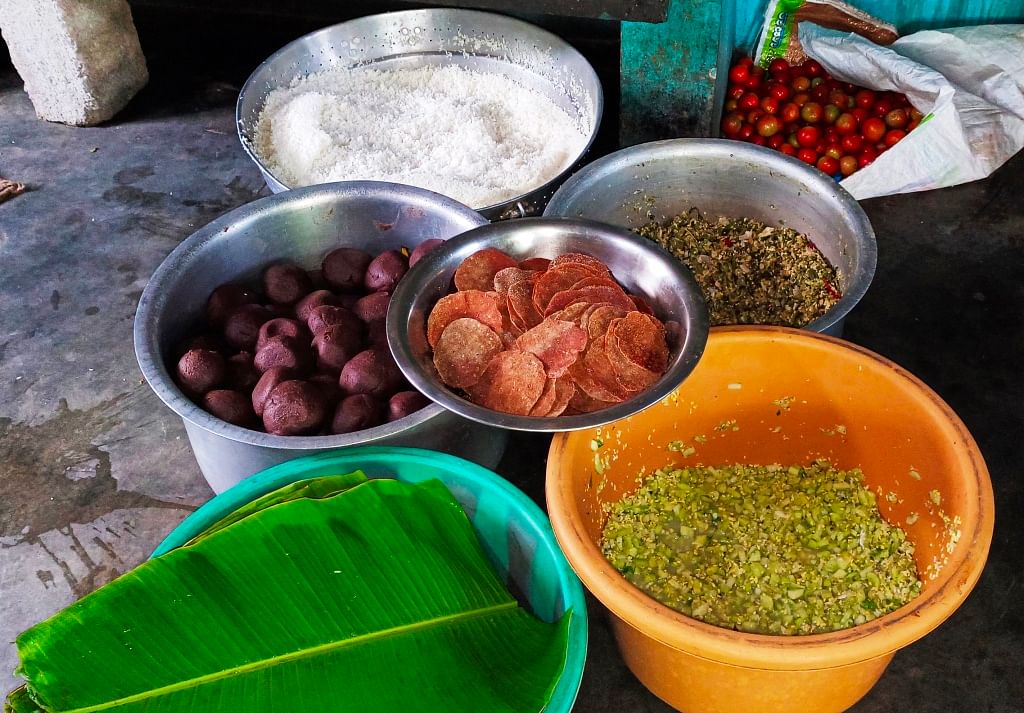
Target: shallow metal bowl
pixel 481 41
pixel 639 265
pixel 301 226
pixel 661 179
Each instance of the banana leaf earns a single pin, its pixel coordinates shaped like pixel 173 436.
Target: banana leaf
pixel 322 487
pixel 18 701
pixel 379 598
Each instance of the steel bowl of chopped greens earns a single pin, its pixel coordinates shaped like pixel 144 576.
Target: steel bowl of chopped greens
pixel 769 239
pixel 769 536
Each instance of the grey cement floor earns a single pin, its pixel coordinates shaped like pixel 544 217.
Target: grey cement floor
pixel 94 471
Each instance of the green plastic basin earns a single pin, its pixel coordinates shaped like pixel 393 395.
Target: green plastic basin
pixel 514 532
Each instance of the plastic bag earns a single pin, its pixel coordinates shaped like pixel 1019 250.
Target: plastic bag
pixel 780 34
pixel 969 83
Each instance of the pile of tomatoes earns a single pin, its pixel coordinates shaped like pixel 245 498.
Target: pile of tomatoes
pixel 802 111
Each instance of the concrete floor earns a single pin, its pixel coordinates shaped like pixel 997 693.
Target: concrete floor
pixel 94 471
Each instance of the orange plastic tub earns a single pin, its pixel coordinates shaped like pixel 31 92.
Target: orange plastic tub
pixel 773 395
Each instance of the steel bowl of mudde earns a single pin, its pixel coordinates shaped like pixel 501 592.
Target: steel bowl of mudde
pixel 298 226
pixel 501 48
pixel 659 180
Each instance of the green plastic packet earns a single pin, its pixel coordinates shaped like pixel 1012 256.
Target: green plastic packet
pixel 778 32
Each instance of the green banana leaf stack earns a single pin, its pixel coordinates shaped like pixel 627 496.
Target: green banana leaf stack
pixel 332 594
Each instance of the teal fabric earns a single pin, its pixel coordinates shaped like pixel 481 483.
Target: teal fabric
pixel 908 15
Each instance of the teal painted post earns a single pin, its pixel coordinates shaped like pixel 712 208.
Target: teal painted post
pixel 668 71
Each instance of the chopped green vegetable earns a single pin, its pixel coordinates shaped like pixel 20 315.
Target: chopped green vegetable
pixel 784 403
pixel 750 272
pixel 765 549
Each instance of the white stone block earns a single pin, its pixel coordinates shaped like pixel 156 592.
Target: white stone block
pixel 80 59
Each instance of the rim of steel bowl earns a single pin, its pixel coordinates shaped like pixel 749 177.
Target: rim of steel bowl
pixel 518 205
pixel 153 303
pixel 642 264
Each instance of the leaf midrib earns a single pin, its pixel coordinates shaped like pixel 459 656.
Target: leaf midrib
pixel 300 654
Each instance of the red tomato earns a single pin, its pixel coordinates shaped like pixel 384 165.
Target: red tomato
pixel 912 125
pixel 801 84
pixel 748 101
pixel 881 108
pixel 865 98
pixel 873 129
pixel 778 65
pixel 753 115
pixel 812 68
pixel 753 80
pixel 739 73
pixel 758 140
pixel 807 156
pixel 780 77
pixel 893 137
pixel 789 112
pixel 852 143
pixel 770 105
pixel 831 113
pixel 897 119
pixel 900 101
pixel 746 132
pixel 808 136
pixel 779 91
pixel 860 114
pixel 788 150
pixel 834 151
pixel 831 135
pixel 768 125
pixel 776 142
pixel 746 60
pixel 866 157
pixel 848 165
pixel 801 98
pixel 732 123
pixel 839 98
pixel 735 92
pixel 829 165
pixel 820 94
pixel 811 112
pixel 846 123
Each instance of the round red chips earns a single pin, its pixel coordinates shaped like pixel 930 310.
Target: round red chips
pixel 543 337
pixel 481 306
pixel 512 383
pixel 464 350
pixel 478 270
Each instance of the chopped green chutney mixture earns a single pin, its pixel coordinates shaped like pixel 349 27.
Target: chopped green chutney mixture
pixel 763 549
pixel 750 272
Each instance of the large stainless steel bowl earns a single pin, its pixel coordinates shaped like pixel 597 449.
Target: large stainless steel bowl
pixel 641 266
pixel 661 179
pixel 481 41
pixel 300 226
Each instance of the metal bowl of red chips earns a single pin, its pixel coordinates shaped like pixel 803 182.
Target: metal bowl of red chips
pixel 593 324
